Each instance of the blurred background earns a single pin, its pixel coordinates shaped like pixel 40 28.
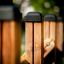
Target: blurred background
pixel 43 6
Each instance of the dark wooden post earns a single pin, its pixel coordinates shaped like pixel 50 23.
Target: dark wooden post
pixel 11 33
pixel 33 39
pixel 28 40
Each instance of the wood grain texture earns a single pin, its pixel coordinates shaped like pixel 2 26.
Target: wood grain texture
pixel 46 29
pixel 29 41
pixel 49 37
pixel 52 30
pixel 37 43
pixel 59 36
pixel 46 34
pixel 53 37
pixel 11 43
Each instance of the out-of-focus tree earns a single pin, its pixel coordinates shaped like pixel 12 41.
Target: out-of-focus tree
pixel 45 6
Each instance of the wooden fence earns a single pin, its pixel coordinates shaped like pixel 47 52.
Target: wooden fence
pixel 41 37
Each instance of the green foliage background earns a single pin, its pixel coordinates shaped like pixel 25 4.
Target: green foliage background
pixel 39 6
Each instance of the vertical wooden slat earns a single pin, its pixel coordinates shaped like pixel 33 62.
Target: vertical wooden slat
pixel 52 30
pixel 59 36
pixel 0 42
pixel 37 43
pixel 53 38
pixel 11 43
pixel 53 33
pixel 49 42
pixel 29 41
pixel 59 41
pixel 46 29
pixel 49 37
